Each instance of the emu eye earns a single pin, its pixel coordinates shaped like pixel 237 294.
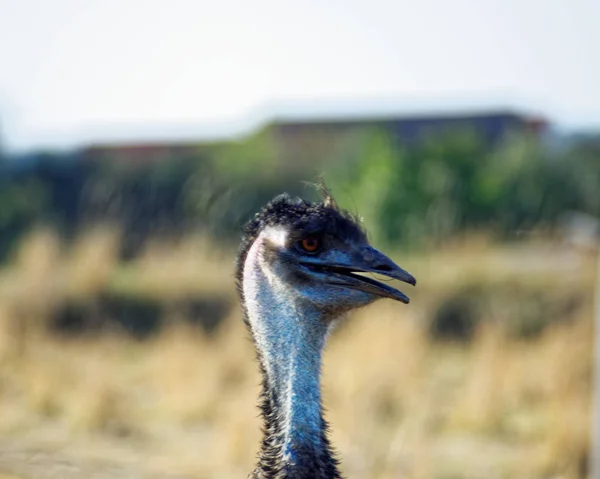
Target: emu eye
pixel 310 244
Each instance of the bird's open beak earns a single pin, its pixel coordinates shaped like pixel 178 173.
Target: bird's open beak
pixel 368 260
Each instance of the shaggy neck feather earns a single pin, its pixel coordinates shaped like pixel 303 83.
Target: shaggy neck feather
pixel 290 335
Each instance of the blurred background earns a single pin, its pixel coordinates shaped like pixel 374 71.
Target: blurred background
pixel 137 137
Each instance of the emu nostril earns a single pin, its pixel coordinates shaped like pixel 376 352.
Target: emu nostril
pixel 383 267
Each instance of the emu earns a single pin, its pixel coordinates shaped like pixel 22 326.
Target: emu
pixel 296 275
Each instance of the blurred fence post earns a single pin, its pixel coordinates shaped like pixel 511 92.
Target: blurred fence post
pixel 595 445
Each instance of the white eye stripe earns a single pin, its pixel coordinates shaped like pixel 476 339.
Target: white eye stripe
pixel 275 235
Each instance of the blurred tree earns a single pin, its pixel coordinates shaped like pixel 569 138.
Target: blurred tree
pixel 363 182
pixel 417 195
pixel 254 156
pixel 22 204
pixel 451 183
pixel 581 164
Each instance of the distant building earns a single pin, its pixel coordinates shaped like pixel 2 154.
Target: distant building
pixel 304 143
pixel 138 154
pixel 492 126
pixel 308 141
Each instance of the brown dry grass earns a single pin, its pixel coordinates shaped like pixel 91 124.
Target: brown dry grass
pixel 183 404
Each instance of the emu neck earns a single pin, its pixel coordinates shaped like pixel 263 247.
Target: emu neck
pixel 291 353
pixel 289 335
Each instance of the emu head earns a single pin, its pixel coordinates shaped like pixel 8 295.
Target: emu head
pixel 316 255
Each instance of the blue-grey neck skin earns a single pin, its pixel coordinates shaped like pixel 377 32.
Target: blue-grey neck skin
pixel 290 334
pixel 292 362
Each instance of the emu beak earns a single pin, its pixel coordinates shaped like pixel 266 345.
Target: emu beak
pixel 367 260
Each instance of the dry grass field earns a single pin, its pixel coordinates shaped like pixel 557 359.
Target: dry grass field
pixel 181 404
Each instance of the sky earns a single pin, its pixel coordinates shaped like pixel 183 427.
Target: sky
pixel 79 71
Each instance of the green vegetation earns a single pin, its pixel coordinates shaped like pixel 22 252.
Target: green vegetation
pixel 425 194
pixel 449 185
